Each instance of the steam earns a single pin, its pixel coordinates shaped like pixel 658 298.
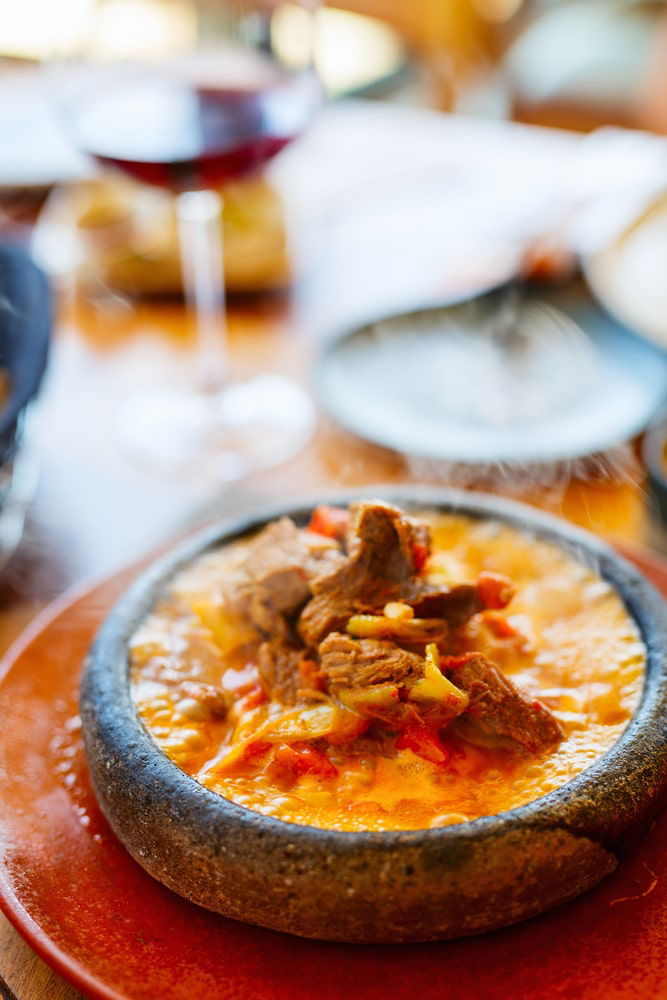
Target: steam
pixel 617 465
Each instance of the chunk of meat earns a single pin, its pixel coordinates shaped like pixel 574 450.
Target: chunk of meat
pixel 326 612
pixel 498 714
pixel 458 604
pixel 453 604
pixel 351 663
pixel 285 671
pixel 381 543
pixel 274 577
pixel 382 681
pixel 385 549
pixel 331 609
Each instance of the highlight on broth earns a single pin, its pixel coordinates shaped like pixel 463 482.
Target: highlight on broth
pixel 380 671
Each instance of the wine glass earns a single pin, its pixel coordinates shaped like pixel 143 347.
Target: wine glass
pixel 212 92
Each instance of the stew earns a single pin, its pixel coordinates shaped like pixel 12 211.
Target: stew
pixel 380 671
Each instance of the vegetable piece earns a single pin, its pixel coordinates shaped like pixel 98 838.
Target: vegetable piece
pixel 495 590
pixel 254 698
pixel 349 725
pixel 408 629
pixel 423 742
pixel 420 554
pixel 304 724
pixel 380 701
pixel 332 522
pixel 434 686
pixel 454 662
pixel 227 631
pixel 500 627
pixel 310 675
pixel 297 726
pixel 290 763
pixel 398 611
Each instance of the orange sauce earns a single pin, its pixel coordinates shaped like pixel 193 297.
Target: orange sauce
pixel 570 641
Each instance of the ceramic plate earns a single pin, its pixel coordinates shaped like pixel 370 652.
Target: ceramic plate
pixel 629 275
pixel 115 933
pixel 496 378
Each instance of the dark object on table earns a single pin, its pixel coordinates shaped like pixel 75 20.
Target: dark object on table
pixel 392 885
pixel 655 458
pixel 25 325
pixel 516 376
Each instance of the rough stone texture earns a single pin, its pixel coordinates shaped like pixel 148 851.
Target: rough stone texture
pixel 391 886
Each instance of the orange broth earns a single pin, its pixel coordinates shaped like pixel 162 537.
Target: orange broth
pixel 570 641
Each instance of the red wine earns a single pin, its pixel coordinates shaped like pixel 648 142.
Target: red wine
pixel 173 135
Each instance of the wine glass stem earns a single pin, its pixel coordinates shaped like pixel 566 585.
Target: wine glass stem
pixel 199 215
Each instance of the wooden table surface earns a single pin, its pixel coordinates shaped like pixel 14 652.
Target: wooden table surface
pixel 94 511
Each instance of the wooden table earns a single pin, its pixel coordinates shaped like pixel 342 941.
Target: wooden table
pixel 94 511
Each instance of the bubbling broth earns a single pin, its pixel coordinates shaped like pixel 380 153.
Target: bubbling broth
pixel 379 671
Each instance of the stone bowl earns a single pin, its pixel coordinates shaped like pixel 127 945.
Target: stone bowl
pixel 391 886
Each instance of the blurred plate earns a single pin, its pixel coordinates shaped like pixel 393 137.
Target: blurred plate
pixel 495 378
pixel 35 150
pixel 629 276
pixel 356 54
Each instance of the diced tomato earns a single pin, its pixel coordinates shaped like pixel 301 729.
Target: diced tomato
pixel 254 698
pixel 240 682
pixel 453 662
pixel 422 741
pixel 495 590
pixel 419 556
pixel 310 675
pixel 501 627
pixel 455 750
pixel 253 750
pixel 292 762
pixel 331 522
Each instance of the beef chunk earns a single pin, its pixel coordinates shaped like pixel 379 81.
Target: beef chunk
pixel 381 681
pixel 273 579
pixel 330 610
pixel 382 543
pixel 326 612
pixel 347 662
pixel 455 605
pixel 386 551
pixel 498 715
pixel 284 670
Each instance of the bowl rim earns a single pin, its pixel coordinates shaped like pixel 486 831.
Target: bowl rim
pixel 107 670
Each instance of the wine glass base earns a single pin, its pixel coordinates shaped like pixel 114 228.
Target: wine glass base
pixel 218 436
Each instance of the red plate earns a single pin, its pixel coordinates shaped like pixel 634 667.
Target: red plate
pixel 80 900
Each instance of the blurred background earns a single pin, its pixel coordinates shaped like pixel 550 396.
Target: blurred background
pixel 464 145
